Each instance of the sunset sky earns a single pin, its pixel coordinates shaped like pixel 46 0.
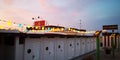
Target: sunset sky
pixel 92 13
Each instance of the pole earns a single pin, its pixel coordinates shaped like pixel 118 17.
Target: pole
pixel 80 23
pixel 112 42
pixel 118 43
pixel 98 47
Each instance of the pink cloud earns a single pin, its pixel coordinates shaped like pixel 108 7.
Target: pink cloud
pixel 8 2
pixel 48 7
pixel 75 14
pixel 16 15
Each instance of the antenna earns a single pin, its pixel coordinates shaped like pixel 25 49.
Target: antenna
pixel 80 23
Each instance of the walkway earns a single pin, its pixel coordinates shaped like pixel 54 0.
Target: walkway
pixel 103 56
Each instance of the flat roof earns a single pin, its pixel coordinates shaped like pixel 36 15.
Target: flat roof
pixel 38 35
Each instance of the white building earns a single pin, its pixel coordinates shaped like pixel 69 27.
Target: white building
pixel 15 45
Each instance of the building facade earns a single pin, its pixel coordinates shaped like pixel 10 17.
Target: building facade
pixel 26 46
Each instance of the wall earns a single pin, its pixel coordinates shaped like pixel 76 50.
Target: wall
pixel 19 48
pixel 58 48
pixel 55 48
pixel 1 48
pixel 9 50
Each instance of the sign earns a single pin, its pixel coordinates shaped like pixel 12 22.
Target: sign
pixel 39 23
pixel 110 27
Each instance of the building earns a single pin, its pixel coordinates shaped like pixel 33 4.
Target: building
pixel 107 38
pixel 111 36
pixel 45 43
pixel 16 45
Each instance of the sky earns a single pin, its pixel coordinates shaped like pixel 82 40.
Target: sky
pixel 68 13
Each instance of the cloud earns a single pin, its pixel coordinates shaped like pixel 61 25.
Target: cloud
pixel 7 2
pixel 62 12
pixel 16 15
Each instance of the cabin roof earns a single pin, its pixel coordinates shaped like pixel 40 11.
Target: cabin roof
pixel 33 35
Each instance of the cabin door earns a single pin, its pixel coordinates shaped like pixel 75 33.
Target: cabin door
pixel 82 44
pixel 47 49
pixel 77 47
pixel 59 47
pixel 32 49
pixel 70 48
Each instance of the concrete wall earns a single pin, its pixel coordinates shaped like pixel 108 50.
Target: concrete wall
pixel 32 49
pixel 48 48
pixel 59 49
pixel 69 48
pixel 19 49
pixel 78 50
pixel 83 45
pixel 44 48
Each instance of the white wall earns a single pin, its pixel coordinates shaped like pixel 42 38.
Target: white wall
pixel 69 48
pixel 57 48
pixel 83 45
pixel 47 49
pixel 87 45
pixel 94 43
pixel 77 47
pixel 32 49
pixel 19 50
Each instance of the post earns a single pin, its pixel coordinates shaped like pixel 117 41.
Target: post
pixel 112 42
pixel 118 43
pixel 98 47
